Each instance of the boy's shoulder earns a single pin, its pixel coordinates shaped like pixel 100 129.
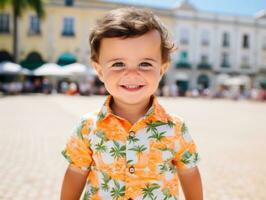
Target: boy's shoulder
pixel 176 119
pixel 89 117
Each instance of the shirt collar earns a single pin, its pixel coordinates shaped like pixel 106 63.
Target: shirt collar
pixel 155 111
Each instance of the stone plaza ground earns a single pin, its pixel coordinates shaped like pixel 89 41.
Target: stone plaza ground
pixel 230 137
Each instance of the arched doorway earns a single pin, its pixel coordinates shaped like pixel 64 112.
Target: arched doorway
pixel 66 58
pixel 182 82
pixel 203 81
pixel 32 61
pixel 5 56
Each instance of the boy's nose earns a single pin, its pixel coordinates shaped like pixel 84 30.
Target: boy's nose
pixel 132 70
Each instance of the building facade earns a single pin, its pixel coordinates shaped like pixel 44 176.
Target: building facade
pixel 211 46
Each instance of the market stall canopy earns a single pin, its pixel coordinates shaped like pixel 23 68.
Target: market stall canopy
pixel 238 80
pixel 91 71
pixel 10 68
pixel 180 76
pixel 26 71
pixel 221 78
pixel 75 69
pixel 50 69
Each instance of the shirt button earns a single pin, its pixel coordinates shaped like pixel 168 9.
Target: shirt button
pixel 130 199
pixel 131 169
pixel 132 133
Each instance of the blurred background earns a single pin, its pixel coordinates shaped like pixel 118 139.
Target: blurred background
pixel 216 81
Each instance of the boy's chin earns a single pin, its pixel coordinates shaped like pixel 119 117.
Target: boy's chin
pixel 132 100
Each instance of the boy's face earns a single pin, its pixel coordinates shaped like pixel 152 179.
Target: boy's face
pixel 131 68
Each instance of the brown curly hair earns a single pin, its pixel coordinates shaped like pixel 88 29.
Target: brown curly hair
pixel 129 22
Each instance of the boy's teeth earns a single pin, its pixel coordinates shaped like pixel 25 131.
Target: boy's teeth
pixel 131 86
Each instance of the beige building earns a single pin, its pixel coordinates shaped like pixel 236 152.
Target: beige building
pixel 211 45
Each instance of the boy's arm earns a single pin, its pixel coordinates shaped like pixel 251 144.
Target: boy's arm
pixel 191 183
pixel 73 183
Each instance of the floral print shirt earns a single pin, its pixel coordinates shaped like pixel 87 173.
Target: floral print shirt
pixel 126 161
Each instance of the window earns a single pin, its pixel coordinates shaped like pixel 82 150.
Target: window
pixel 184 36
pixel 204 62
pixel 225 60
pixel 245 62
pixel 204 59
pixel 245 43
pixel 205 38
pixel 69 2
pixel 4 23
pixel 183 57
pixel 34 26
pixel 68 26
pixel 226 39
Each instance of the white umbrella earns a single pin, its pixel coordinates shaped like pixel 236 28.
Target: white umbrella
pixel 235 81
pixel 91 71
pixel 50 69
pixel 9 68
pixel 25 71
pixel 75 69
pixel 221 78
pixel 181 76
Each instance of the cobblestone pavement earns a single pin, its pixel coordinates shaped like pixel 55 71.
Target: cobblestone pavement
pixel 230 137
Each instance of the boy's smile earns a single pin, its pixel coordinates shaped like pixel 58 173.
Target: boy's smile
pixel 131 68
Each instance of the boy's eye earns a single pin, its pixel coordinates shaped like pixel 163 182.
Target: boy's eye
pixel 145 64
pixel 118 64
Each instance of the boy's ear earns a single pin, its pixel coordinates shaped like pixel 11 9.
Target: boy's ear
pixel 164 68
pixel 98 69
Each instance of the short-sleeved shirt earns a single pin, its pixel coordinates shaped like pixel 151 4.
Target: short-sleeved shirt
pixel 126 161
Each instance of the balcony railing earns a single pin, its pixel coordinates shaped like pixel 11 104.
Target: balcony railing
pixel 183 65
pixel 245 66
pixel 225 65
pixel 204 66
pixel 68 34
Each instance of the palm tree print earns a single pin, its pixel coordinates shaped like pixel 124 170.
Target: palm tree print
pixel 86 195
pixel 100 147
pixel 117 150
pixel 163 167
pixel 78 131
pixel 117 191
pixel 66 156
pixel 132 139
pixel 184 129
pixel 156 135
pixel 148 191
pixel 139 148
pixel 92 191
pixel 196 158
pixel 186 157
pixel 101 134
pixel 167 194
pixel 159 123
pixel 152 127
pixel 106 179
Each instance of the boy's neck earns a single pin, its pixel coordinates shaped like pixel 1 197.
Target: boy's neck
pixel 130 112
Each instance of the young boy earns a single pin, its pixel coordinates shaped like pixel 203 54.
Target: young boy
pixel 131 149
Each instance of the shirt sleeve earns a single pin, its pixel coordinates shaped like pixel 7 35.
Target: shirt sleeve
pixel 77 149
pixel 186 155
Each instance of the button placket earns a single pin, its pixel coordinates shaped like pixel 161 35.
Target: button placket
pixel 130 154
